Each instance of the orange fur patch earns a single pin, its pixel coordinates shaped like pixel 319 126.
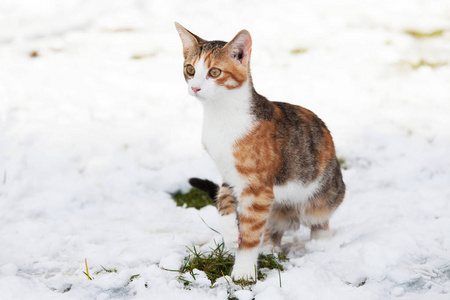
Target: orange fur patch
pixel 226 203
pixel 258 159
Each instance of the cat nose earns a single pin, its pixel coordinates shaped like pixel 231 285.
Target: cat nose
pixel 195 89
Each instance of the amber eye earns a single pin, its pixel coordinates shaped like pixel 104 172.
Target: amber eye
pixel 190 70
pixel 214 72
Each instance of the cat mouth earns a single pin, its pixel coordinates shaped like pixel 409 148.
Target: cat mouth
pixel 198 96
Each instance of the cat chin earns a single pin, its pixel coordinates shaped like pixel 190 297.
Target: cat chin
pixel 200 98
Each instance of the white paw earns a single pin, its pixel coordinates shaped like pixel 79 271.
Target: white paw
pixel 245 265
pixel 244 272
pixel 230 231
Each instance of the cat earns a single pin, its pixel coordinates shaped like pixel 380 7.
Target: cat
pixel 277 160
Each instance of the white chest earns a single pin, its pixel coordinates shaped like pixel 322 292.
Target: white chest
pixel 218 142
pixel 224 123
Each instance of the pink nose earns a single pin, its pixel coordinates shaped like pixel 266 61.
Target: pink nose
pixel 195 89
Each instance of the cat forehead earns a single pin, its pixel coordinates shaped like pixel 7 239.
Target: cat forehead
pixel 212 46
pixel 207 49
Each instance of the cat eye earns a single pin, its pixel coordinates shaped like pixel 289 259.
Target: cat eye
pixel 214 72
pixel 190 70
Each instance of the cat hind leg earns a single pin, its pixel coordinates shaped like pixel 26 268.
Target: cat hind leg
pixel 271 241
pixel 321 232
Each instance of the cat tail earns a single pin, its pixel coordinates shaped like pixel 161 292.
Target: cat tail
pixel 207 186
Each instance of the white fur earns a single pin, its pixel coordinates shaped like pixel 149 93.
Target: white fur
pixel 200 80
pixel 229 230
pixel 308 220
pixel 295 192
pixel 226 119
pixel 245 265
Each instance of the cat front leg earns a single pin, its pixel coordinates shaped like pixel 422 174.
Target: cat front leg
pixel 254 208
pixel 226 205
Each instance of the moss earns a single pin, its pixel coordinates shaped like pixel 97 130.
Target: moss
pixel 424 63
pixel 270 261
pixel 296 51
pixel 343 163
pixel 421 35
pixel 194 198
pixel 145 55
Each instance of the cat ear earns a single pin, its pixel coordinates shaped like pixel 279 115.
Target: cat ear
pixel 190 41
pixel 240 47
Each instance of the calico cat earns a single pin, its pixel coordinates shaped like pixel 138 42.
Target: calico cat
pixel 277 160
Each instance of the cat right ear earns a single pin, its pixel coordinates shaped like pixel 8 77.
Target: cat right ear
pixel 240 47
pixel 190 41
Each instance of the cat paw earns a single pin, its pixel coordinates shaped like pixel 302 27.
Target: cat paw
pixel 245 265
pixel 230 231
pixel 245 272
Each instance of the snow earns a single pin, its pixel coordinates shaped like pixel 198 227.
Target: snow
pixel 93 141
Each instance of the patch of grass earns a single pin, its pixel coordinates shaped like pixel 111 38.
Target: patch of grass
pixel 422 35
pixel 270 261
pixel 194 198
pixel 107 270
pixel 215 263
pixel 296 51
pixel 133 277
pixel 343 163
pixel 219 262
pixel 424 63
pixel 145 55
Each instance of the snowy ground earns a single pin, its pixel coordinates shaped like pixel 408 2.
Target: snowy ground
pixel 97 129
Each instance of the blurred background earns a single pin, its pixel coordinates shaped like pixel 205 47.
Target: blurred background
pixel 97 127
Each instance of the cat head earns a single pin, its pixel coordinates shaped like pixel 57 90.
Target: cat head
pixel 211 68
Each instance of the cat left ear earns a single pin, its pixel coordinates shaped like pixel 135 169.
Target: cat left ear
pixel 190 41
pixel 240 47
